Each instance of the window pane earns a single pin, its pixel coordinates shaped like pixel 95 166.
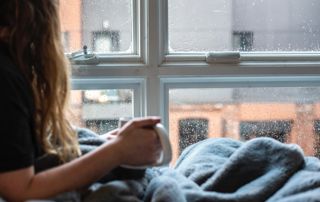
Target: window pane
pixel 104 26
pixel 288 114
pixel 100 110
pixel 245 25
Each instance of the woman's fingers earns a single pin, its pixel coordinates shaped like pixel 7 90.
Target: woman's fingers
pixel 110 135
pixel 140 141
pixel 142 122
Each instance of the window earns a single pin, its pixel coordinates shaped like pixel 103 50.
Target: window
pixel 102 31
pixel 242 40
pixel 99 103
pixel 278 25
pixel 283 113
pixel 100 109
pixel 278 130
pixel 108 15
pixel 102 126
pixel 317 138
pixel 191 131
pixel 106 41
pixel 231 63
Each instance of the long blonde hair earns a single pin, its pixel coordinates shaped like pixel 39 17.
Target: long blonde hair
pixel 35 43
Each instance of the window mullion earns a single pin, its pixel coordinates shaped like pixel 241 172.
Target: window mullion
pixel 135 26
pixel 163 30
pixel 152 95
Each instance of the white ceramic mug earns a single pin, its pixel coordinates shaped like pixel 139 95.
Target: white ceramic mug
pixel 166 154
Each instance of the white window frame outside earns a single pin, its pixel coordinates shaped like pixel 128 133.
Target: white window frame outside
pixel 157 71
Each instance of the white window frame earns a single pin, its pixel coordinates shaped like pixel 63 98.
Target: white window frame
pixel 135 59
pixel 230 82
pixel 136 85
pixel 157 71
pixel 268 57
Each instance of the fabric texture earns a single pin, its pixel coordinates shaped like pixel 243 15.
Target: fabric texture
pixel 221 169
pixel 18 145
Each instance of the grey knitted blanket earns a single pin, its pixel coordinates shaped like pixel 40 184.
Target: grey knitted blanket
pixel 221 169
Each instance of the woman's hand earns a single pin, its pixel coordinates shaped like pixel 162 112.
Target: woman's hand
pixel 138 143
pixel 110 135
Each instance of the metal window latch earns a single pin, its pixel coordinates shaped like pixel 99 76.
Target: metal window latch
pixel 223 57
pixel 83 57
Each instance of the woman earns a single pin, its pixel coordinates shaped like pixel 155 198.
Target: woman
pixel 34 85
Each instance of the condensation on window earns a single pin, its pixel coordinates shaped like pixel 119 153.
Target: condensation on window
pixel 245 25
pixel 287 114
pixel 100 110
pixel 192 130
pixel 103 26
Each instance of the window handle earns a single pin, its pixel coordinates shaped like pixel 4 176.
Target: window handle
pixel 223 57
pixel 83 57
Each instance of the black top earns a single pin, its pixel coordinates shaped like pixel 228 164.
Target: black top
pixel 18 147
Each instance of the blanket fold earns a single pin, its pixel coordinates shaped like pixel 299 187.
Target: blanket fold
pixel 220 169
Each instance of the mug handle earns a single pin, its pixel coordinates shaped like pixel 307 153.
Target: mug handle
pixel 166 154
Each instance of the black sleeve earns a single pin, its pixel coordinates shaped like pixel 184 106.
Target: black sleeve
pixel 16 145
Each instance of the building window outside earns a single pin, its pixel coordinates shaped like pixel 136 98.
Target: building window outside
pixel 192 131
pixel 278 130
pixel 106 41
pixel 242 40
pixel 317 138
pixel 101 126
